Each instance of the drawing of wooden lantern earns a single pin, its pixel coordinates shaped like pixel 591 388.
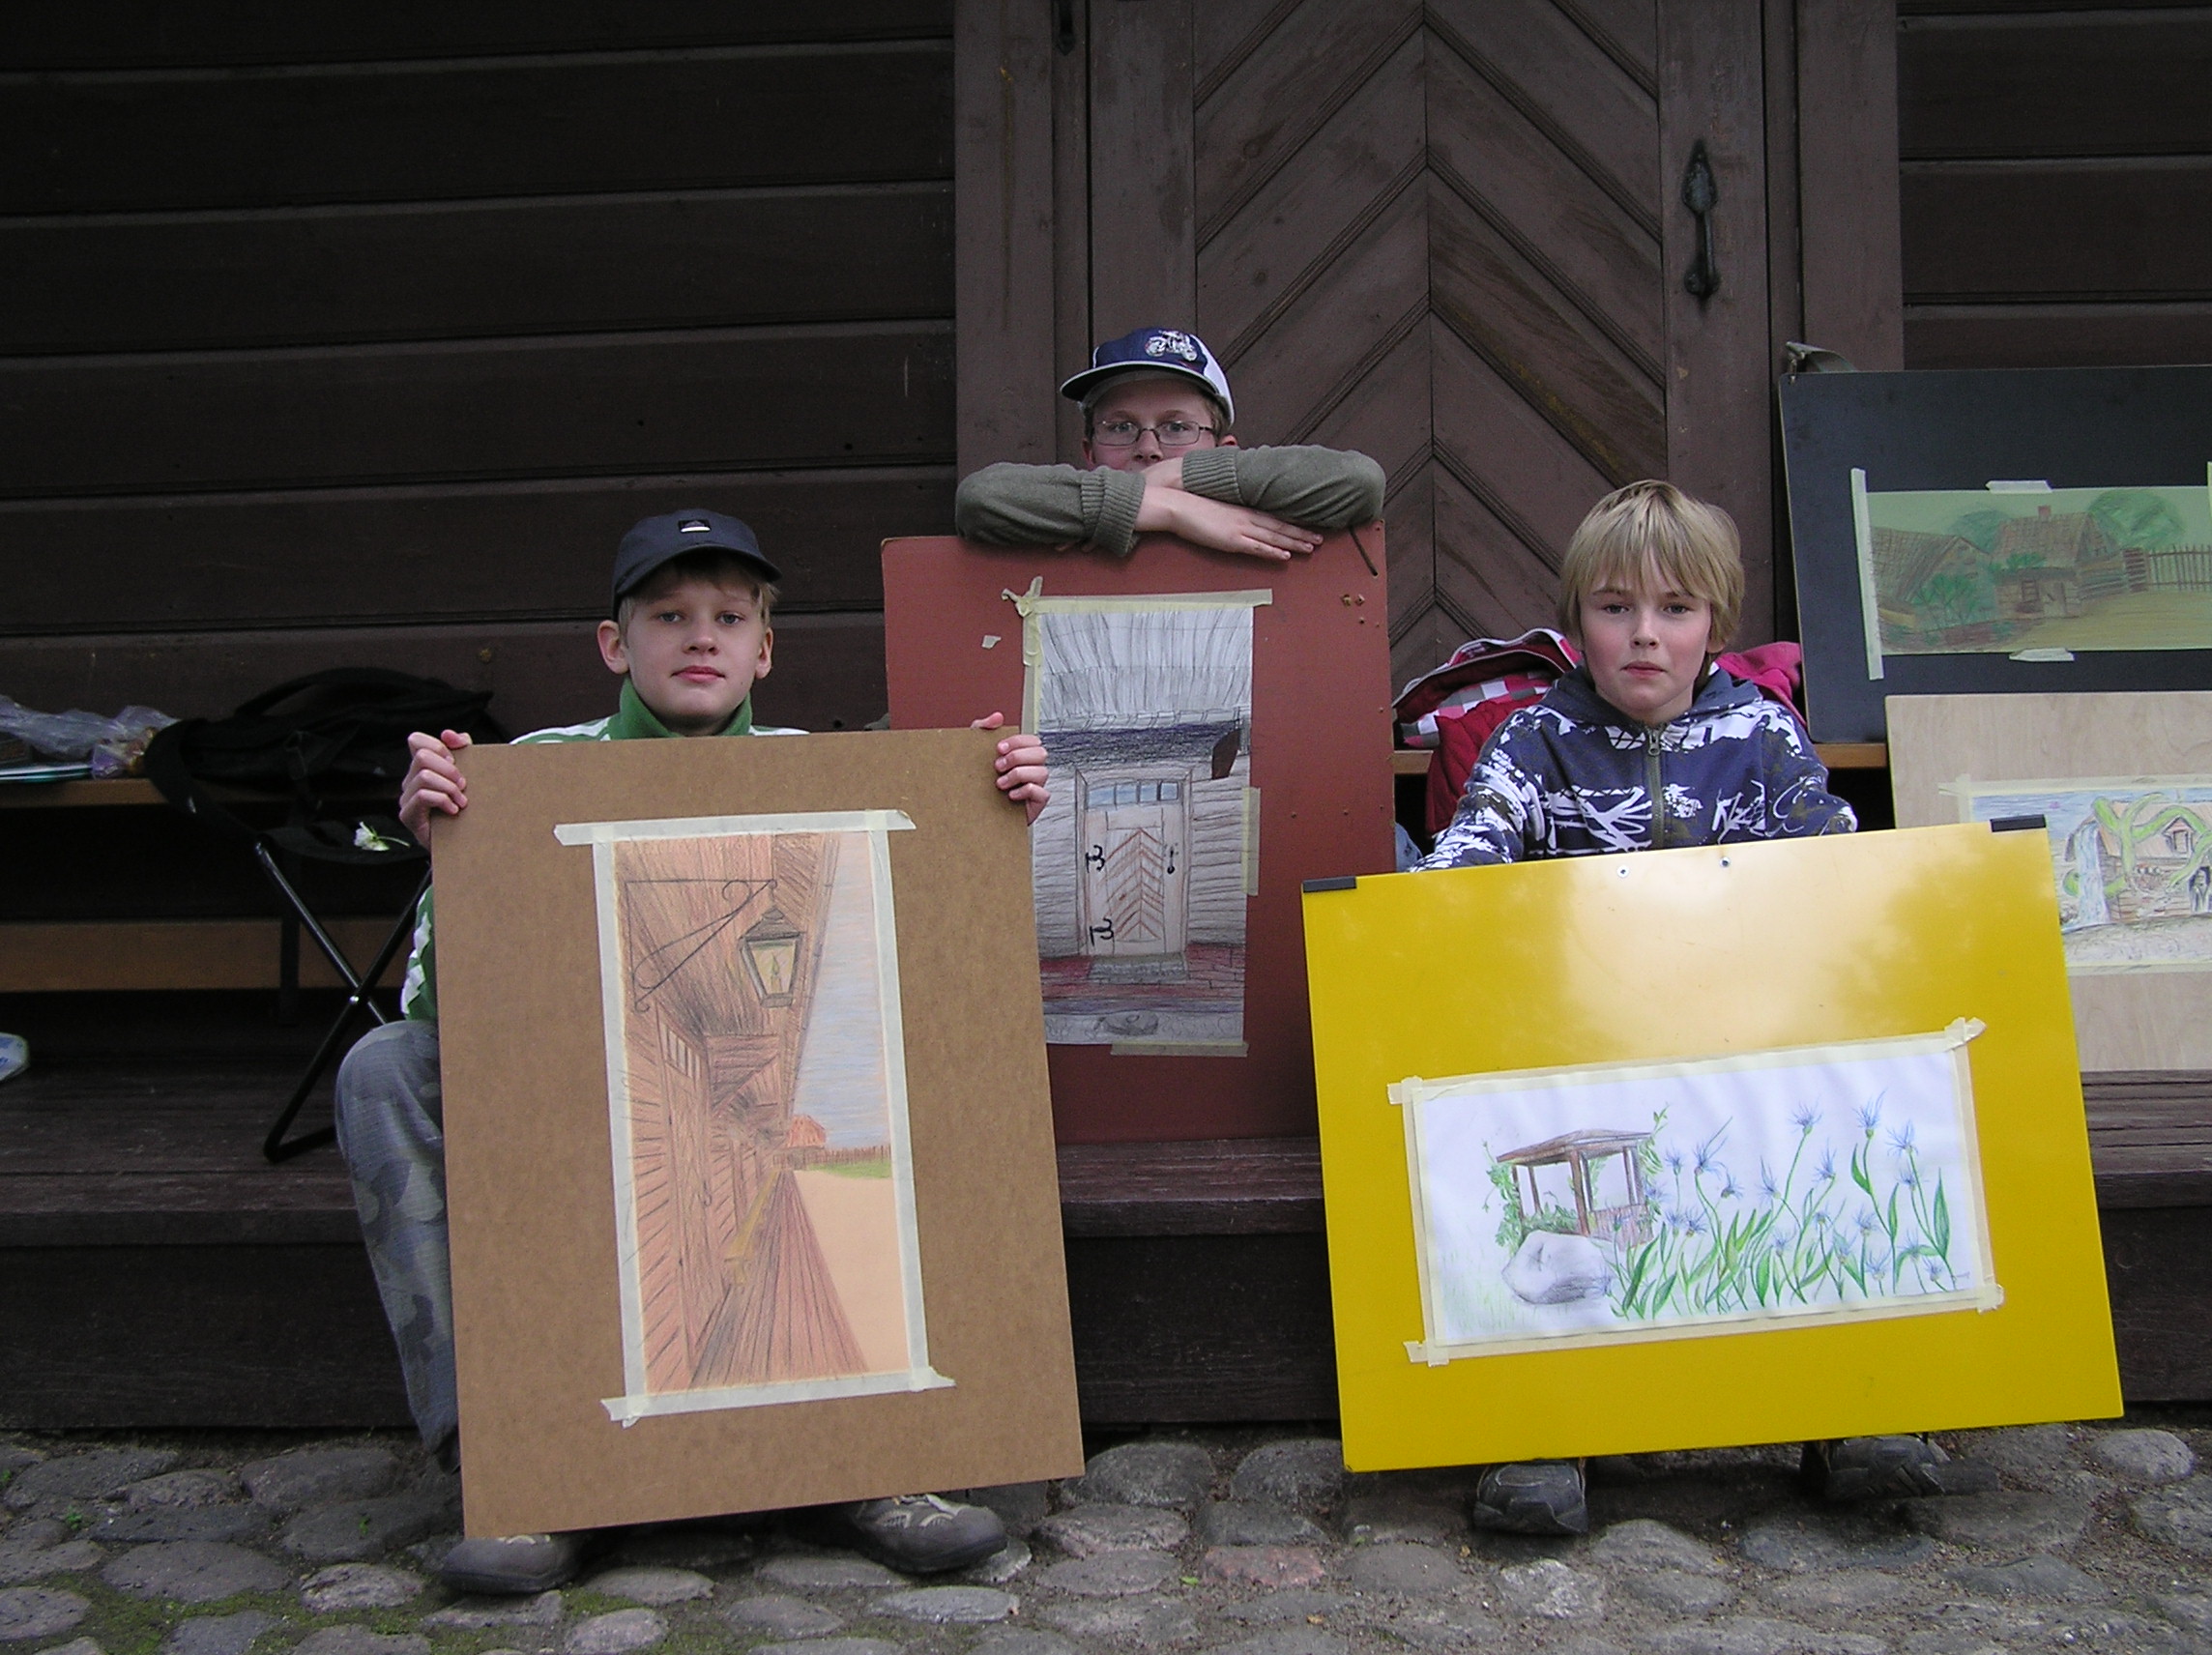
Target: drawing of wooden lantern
pixel 771 953
pixel 1584 1152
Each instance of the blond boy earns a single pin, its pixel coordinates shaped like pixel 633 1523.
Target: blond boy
pixel 690 637
pixel 1646 745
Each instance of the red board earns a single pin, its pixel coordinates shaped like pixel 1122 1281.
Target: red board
pixel 1320 762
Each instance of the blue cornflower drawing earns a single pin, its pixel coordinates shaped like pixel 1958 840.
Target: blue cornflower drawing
pixel 1870 1112
pixel 1805 1117
pixel 1709 1151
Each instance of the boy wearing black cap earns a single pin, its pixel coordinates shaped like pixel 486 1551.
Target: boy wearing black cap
pixel 1159 455
pixel 690 637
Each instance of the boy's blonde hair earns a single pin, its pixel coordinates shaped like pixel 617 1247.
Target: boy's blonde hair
pixel 1653 528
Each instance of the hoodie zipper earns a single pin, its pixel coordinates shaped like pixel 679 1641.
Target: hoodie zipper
pixel 1654 784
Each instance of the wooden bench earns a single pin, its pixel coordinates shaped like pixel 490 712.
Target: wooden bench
pixel 154 1271
pixel 154 1274
pixel 85 955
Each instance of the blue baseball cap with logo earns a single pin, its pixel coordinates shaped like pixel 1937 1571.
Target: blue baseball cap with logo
pixel 1154 351
pixel 658 540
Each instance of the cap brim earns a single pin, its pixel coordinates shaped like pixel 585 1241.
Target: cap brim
pixel 1082 385
pixel 768 570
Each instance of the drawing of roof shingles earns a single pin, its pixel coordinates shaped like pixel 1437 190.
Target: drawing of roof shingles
pixel 2059 543
pixel 1905 559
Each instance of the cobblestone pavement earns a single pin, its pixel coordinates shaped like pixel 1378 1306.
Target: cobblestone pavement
pixel 2094 1537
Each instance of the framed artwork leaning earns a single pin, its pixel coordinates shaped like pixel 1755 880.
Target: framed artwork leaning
pixel 749 1158
pixel 2123 786
pixel 1795 1148
pixel 1219 730
pixel 2025 531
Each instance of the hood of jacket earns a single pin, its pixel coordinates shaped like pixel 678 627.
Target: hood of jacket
pixel 1576 695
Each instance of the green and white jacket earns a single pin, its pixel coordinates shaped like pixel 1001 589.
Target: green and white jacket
pixel 630 721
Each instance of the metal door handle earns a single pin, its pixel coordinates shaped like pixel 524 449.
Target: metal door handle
pixel 1701 194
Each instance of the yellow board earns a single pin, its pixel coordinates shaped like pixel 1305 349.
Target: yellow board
pixel 1696 954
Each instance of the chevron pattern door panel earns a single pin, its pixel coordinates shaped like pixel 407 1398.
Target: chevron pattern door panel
pixel 1442 234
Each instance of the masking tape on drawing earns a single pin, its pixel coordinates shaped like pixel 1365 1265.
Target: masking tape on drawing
pixel 1862 527
pixel 1179 1048
pixel 733 826
pixel 1956 1035
pixel 628 1410
pixel 1034 601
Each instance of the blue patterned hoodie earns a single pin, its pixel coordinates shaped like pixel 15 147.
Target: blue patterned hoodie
pixel 1573 776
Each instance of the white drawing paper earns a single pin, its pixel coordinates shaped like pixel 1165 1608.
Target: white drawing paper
pixel 756 1087
pixel 2132 859
pixel 1597 1205
pixel 1142 861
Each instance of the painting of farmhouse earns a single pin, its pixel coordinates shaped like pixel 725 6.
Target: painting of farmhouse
pixel 763 1200
pixel 2133 860
pixel 1141 861
pixel 2006 570
pixel 1596 1205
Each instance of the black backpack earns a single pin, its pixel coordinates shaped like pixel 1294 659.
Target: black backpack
pixel 343 731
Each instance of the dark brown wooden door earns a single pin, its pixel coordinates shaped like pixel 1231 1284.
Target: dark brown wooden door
pixel 1452 235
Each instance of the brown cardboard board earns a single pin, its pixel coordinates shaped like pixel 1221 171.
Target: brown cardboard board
pixel 531 1185
pixel 1320 762
pixel 2155 1019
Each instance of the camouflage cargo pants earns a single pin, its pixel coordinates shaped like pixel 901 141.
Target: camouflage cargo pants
pixel 391 1120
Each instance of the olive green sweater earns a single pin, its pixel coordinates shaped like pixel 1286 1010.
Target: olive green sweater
pixel 1010 505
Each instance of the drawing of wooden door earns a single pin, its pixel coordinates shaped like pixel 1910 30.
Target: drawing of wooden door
pixel 1135 849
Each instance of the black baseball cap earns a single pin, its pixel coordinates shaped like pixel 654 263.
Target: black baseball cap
pixel 658 540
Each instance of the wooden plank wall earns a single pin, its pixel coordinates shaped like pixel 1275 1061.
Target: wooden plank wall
pixel 333 333
pixel 2056 174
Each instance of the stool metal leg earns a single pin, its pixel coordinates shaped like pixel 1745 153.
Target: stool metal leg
pixel 275 1147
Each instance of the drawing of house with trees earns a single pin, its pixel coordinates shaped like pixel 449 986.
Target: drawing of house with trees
pixel 2077 568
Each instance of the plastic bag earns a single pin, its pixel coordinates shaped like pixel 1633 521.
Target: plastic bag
pixel 122 751
pixel 114 747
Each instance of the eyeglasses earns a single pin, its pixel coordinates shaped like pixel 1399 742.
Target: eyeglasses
pixel 1172 433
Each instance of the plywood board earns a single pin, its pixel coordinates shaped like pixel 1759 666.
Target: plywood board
pixel 748 1146
pixel 1943 748
pixel 1307 751
pixel 1745 1044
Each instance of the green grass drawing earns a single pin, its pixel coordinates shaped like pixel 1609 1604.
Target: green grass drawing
pixel 1876 1227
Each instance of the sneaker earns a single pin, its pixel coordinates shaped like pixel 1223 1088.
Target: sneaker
pixel 920 1534
pixel 1531 1496
pixel 514 1565
pixel 14 1055
pixel 1872 1468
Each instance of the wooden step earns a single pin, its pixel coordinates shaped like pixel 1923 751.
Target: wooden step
pixel 154 1271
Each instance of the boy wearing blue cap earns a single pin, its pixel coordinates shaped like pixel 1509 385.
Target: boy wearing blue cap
pixel 1157 456
pixel 689 636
